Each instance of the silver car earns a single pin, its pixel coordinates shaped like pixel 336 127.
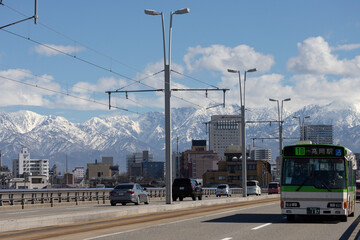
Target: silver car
pixel 223 190
pixel 128 193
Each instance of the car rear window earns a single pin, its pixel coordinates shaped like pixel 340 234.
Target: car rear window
pixel 221 186
pixel 181 181
pixel 125 186
pixel 251 184
pixel 273 185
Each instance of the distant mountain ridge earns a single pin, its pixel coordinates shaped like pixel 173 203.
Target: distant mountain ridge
pixel 53 137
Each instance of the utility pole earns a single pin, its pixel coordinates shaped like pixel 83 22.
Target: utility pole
pixel 35 16
pixel 167 90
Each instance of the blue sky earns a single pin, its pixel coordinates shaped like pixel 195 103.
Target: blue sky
pixel 306 50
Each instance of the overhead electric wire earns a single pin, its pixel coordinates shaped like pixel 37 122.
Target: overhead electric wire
pixel 75 57
pixel 97 65
pixel 74 87
pixel 67 94
pixel 195 79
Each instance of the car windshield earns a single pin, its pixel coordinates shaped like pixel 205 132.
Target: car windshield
pixel 320 173
pixel 250 184
pixel 221 186
pixel 124 186
pixel 273 185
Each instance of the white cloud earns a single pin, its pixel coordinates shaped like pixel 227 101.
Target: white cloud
pixel 220 58
pixel 346 47
pixel 20 87
pixel 52 49
pixel 315 57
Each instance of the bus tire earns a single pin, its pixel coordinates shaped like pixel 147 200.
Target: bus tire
pixel 290 217
pixel 352 214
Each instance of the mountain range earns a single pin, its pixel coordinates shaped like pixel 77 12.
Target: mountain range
pixel 57 139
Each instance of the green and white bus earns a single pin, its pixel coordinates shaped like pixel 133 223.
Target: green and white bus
pixel 318 180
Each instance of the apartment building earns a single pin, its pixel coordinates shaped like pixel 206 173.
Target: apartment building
pixel 24 164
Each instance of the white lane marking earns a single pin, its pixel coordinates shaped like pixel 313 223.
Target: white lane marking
pixel 228 238
pixel 261 226
pixel 20 212
pixel 184 220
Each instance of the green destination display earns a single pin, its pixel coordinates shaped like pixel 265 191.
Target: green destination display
pixel 314 150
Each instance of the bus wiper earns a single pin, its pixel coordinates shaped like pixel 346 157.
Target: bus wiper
pixel 322 183
pixel 303 183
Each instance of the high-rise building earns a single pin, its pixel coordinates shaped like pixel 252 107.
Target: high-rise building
pixel 317 134
pixel 224 131
pixel 24 164
pixel 260 154
pixel 136 159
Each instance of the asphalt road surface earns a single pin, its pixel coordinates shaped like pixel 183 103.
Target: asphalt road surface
pixel 261 220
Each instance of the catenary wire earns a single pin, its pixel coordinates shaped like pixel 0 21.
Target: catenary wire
pixel 96 65
pixel 66 94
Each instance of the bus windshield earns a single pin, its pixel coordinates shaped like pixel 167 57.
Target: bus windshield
pixel 320 173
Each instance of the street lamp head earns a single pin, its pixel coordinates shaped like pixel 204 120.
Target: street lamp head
pixel 182 11
pixel 251 70
pixel 287 99
pixel 296 116
pixel 233 71
pixel 151 12
pixel 273 100
pixel 307 117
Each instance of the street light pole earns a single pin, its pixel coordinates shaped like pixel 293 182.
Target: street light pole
pixel 302 124
pixel 167 73
pixel 243 129
pixel 280 119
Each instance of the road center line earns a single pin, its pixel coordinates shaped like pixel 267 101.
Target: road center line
pixel 261 226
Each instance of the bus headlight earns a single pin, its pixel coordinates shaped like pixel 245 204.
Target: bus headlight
pixel 334 205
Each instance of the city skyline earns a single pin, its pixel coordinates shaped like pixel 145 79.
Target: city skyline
pixel 63 65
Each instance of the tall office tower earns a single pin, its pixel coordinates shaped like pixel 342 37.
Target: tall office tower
pixel 136 159
pixel 224 131
pixel 317 134
pixel 260 154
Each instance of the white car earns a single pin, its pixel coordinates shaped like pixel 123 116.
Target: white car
pixel 253 188
pixel 223 189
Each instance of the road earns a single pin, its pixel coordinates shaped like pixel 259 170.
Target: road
pixel 242 221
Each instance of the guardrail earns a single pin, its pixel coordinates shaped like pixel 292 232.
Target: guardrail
pixel 10 197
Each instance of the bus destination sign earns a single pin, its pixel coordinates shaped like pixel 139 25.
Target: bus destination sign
pixel 315 150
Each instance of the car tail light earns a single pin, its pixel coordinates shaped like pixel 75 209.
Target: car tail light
pixel 131 192
pixel 112 192
pixel 192 187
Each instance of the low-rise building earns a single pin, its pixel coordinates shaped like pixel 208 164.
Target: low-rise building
pixel 230 171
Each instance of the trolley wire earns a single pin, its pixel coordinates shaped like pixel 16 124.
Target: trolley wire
pixel 104 55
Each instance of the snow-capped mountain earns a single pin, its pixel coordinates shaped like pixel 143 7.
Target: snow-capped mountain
pixel 55 137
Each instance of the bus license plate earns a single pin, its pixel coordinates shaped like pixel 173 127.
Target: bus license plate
pixel 313 211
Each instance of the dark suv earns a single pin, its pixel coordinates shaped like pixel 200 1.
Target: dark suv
pixel 186 187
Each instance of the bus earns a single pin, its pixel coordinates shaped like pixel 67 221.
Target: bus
pixel 318 180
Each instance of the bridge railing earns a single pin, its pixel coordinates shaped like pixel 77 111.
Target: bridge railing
pixel 10 197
